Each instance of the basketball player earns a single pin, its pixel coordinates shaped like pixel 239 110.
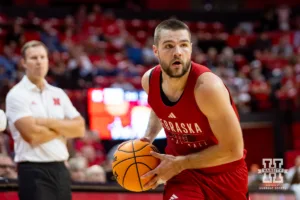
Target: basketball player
pixel 41 118
pixel 205 152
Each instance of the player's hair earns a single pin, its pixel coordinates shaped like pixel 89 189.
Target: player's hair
pixel 169 24
pixel 32 43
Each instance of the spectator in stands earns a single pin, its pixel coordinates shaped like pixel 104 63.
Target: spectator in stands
pixel 259 88
pixel 134 51
pixel 108 163
pixel 293 177
pixel 269 21
pixel 7 167
pixel 262 43
pixel 3 74
pixel 77 167
pixel 105 68
pixel 79 100
pixel 4 141
pixel 212 58
pixel 58 74
pixel 90 146
pixel 110 25
pixel 97 10
pixel 49 37
pixel 227 58
pixel 69 23
pixel 149 58
pixel 200 57
pixel 15 35
pixel 110 156
pixel 8 62
pixel 241 83
pixel 254 179
pixel 80 67
pixel 296 41
pixel 284 49
pixel 5 86
pixel 80 17
pixel 121 82
pixel 3 121
pixel 284 13
pixel 89 152
pixel 69 38
pixel 95 174
pixel 287 93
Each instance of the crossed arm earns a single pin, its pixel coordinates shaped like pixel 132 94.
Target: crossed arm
pixel 37 131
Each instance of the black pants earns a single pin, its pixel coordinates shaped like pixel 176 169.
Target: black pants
pixel 44 181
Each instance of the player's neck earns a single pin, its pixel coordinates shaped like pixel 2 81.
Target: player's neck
pixel 175 84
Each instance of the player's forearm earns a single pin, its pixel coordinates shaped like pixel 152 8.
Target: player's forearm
pixel 153 128
pixel 70 128
pixel 41 135
pixel 210 157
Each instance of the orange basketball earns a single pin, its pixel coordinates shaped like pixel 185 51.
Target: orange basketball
pixel 132 159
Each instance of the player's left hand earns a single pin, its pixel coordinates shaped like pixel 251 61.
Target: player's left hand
pixel 168 167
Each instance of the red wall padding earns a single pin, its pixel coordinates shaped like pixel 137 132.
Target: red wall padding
pixel 256 145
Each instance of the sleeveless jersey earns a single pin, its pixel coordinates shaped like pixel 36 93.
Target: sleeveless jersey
pixel 187 128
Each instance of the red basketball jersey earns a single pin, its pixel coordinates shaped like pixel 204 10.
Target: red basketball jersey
pixel 186 127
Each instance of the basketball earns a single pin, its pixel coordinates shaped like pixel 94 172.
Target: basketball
pixel 132 159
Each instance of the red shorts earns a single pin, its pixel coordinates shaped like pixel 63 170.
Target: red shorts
pixel 194 185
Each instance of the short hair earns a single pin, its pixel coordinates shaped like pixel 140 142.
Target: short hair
pixel 32 43
pixel 169 24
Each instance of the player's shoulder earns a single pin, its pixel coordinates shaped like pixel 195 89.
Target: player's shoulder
pixel 146 78
pixel 209 83
pixel 211 93
pixel 148 73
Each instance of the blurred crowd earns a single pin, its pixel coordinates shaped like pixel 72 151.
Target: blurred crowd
pixel 258 61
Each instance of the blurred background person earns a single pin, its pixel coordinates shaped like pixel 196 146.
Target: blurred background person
pixel 7 167
pixel 293 177
pixel 3 121
pixel 77 167
pixel 95 174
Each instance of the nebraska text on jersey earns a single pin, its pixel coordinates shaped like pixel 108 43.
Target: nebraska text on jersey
pixel 176 127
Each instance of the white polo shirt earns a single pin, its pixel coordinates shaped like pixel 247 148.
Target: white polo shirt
pixel 25 99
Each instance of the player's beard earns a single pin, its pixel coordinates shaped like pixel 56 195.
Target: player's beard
pixel 173 73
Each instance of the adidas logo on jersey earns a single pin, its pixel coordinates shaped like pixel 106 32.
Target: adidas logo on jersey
pixel 171 115
pixel 173 197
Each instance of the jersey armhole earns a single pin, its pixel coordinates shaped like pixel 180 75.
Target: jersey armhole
pixel 150 75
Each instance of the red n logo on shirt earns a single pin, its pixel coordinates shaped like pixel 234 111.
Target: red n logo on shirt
pixel 56 101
